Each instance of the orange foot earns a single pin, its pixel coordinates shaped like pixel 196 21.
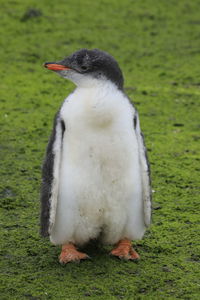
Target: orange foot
pixel 124 250
pixel 69 253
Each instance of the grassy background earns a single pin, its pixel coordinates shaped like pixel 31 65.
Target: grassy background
pixel 157 44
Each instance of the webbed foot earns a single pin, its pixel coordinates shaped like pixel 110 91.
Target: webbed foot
pixel 69 253
pixel 124 250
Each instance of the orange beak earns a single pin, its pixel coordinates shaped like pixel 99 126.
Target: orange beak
pixel 55 67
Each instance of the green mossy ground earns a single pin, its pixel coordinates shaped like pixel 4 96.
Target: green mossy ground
pixel 157 44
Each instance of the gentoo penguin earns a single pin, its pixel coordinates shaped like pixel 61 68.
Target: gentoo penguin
pixel 96 182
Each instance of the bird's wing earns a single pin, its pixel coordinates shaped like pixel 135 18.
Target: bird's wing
pixel 145 171
pixel 50 176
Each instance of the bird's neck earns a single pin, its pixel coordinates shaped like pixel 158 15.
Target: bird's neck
pixel 97 89
pixel 98 103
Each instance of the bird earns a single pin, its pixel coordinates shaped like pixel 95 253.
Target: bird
pixel 95 176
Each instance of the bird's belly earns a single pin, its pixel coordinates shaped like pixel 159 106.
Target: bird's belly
pixel 96 182
pixel 101 167
pixel 102 158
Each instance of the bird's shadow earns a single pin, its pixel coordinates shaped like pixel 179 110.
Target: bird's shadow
pixel 95 248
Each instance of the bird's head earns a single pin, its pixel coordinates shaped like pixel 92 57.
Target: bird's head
pixel 85 67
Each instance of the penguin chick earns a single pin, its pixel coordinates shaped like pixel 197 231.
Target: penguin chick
pixel 96 181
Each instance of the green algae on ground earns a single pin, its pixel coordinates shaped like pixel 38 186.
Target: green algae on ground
pixel 157 45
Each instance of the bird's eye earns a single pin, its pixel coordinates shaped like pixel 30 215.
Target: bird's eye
pixel 84 68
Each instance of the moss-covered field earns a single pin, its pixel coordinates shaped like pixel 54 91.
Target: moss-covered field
pixel 157 44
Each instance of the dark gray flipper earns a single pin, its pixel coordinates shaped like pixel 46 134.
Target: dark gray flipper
pixel 49 187
pixel 145 171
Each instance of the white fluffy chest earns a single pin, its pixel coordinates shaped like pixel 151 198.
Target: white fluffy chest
pixel 99 132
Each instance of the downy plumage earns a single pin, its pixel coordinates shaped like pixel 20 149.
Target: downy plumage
pixel 96 181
